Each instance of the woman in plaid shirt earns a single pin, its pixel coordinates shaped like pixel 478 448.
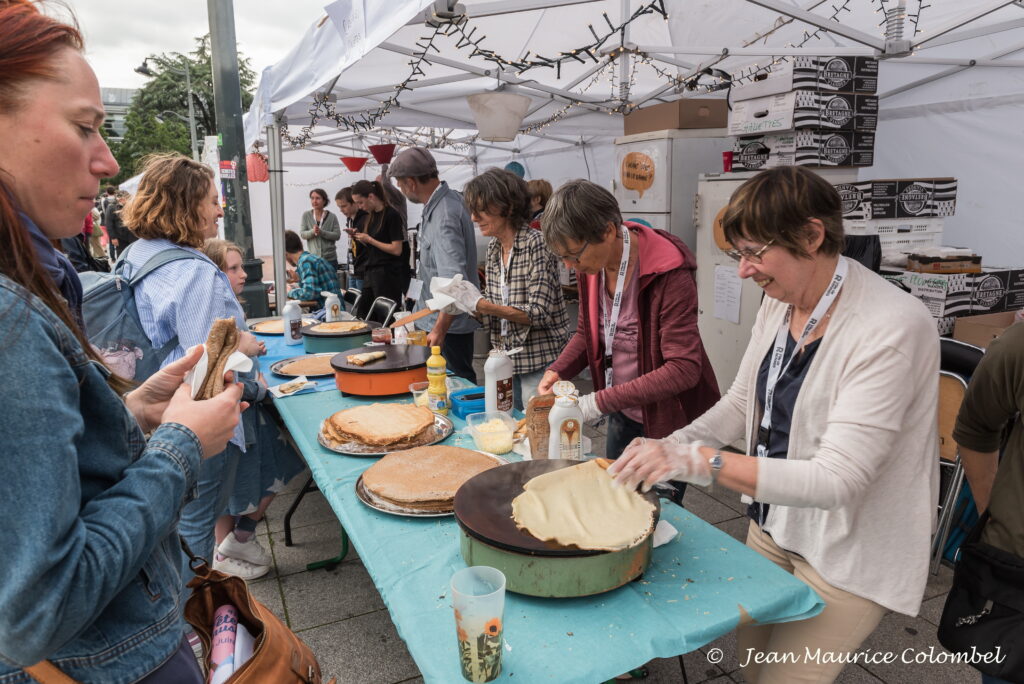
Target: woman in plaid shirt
pixel 522 299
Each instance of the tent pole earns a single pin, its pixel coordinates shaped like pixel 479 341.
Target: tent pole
pixel 824 23
pixel 967 34
pixel 986 8
pixel 624 57
pixel 948 72
pixel 275 165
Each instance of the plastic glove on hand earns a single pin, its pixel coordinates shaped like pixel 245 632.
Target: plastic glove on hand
pixel 466 295
pixel 650 461
pixel 588 404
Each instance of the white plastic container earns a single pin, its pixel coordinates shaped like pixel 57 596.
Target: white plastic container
pixel 566 423
pixel 292 323
pixel 332 305
pixel 498 381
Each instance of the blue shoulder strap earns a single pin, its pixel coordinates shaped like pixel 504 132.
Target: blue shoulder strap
pixel 154 262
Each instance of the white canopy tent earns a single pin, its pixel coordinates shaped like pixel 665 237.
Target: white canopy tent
pixel 951 88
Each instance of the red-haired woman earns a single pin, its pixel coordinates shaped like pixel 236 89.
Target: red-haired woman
pixel 91 564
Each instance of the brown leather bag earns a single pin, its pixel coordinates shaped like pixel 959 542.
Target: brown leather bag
pixel 279 656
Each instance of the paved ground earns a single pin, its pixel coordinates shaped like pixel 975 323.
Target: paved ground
pixel 341 616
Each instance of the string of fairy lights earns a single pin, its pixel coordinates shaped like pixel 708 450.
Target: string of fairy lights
pixel 466 37
pixel 894 13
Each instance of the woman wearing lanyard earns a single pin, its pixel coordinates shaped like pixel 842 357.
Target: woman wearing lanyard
pixel 836 397
pixel 320 229
pixel 523 302
pixel 638 318
pixel 386 270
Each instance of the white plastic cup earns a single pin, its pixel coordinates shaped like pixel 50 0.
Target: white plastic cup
pixel 478 597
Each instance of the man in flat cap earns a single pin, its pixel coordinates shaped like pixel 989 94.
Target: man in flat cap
pixel 447 247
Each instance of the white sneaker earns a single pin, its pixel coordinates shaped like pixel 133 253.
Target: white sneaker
pixel 250 551
pixel 240 568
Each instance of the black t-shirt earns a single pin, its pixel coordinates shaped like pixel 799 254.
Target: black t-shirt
pixel 359 252
pixel 384 226
pixel 786 390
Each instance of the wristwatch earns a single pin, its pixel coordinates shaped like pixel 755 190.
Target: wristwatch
pixel 716 463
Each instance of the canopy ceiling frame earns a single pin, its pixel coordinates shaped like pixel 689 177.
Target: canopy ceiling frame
pixel 948 72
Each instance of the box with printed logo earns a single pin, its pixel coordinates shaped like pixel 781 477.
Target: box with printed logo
pixel 998 289
pixel 943 294
pixel 804 109
pixel 916 199
pixel 845 74
pixel 804 148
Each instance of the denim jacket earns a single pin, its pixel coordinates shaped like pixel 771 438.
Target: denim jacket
pixel 90 565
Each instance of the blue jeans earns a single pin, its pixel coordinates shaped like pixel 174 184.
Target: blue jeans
pixel 989 679
pixel 199 516
pixel 524 386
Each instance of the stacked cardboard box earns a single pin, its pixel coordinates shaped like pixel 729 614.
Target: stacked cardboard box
pixel 815 111
pixel 906 213
pixel 949 296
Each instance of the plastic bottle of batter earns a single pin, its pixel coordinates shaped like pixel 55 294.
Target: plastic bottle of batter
pixel 292 316
pixel 566 423
pixel 437 388
pixel 498 381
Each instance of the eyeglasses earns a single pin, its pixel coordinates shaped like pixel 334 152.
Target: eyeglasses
pixel 572 256
pixel 753 256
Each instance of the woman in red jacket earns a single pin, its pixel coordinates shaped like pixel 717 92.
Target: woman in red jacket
pixel 638 318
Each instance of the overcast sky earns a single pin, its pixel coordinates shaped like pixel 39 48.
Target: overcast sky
pixel 118 34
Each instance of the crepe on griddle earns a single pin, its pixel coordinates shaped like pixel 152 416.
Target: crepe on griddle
pixel 379 424
pixel 579 506
pixel 424 478
pixel 221 343
pixel 365 358
pixel 308 365
pixel 339 327
pixel 274 326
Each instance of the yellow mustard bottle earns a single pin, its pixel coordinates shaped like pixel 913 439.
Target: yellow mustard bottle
pixel 437 389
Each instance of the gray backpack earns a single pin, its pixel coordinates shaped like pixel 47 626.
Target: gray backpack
pixel 112 321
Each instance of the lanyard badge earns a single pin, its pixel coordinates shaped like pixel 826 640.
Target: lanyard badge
pixel 611 321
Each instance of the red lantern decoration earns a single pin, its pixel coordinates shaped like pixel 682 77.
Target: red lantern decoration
pixel 382 153
pixel 256 168
pixel 353 164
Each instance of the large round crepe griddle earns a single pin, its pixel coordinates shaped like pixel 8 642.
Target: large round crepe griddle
pixel 403 365
pixel 366 330
pixel 400 357
pixel 483 508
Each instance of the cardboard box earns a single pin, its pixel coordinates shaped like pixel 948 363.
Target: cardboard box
pixel 804 148
pixel 980 330
pixel 684 113
pixel 946 324
pixel 804 109
pixel 845 74
pixel 998 289
pixel 943 294
pixel 921 263
pixel 928 226
pixel 901 198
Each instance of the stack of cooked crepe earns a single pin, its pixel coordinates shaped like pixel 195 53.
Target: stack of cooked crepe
pixel 424 478
pixel 383 425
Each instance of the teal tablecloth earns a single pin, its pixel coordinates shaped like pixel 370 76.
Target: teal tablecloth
pixel 691 594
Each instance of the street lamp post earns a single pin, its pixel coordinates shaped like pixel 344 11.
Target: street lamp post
pixel 146 71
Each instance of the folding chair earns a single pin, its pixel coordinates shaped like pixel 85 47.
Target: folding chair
pixel 959 357
pixel 352 297
pixel 382 310
pixel 952 388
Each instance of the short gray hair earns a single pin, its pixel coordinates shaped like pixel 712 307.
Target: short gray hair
pixel 578 211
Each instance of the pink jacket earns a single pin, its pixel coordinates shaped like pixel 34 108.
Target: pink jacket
pixel 676 382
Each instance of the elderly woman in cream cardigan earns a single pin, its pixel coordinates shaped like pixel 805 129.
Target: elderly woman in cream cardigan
pixel 836 397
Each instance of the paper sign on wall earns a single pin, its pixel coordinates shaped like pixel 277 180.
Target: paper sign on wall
pixel 727 294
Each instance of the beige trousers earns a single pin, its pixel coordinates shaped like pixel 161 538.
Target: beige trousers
pixel 804 651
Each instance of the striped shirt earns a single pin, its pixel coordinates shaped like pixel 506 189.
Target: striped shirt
pixel 315 276
pixel 183 298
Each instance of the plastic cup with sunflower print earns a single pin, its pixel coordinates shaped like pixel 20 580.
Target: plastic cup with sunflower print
pixel 478 596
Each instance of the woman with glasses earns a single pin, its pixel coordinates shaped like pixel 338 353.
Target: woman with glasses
pixel 523 303
pixel 638 318
pixel 836 398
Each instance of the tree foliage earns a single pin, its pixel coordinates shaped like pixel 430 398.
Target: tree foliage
pixel 149 130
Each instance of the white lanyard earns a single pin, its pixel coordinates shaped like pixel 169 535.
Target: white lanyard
pixel 775 367
pixel 612 322
pixel 505 288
